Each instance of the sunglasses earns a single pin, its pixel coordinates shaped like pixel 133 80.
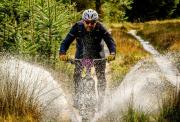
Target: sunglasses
pixel 90 22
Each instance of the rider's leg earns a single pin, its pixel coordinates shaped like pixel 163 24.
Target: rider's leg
pixel 77 78
pixel 100 73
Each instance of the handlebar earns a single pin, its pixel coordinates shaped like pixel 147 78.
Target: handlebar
pixel 86 63
pixel 72 61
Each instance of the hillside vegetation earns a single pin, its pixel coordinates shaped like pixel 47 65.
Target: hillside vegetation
pixel 164 35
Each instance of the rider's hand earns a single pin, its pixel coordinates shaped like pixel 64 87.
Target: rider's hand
pixel 63 57
pixel 111 57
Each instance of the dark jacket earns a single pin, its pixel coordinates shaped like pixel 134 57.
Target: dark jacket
pixel 78 31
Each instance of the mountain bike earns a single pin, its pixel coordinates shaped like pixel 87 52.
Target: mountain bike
pixel 86 95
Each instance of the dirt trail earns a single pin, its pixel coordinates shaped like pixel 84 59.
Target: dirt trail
pixel 167 67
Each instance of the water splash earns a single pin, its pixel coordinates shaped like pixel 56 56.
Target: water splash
pixel 143 84
pixel 146 83
pixel 41 82
pixel 166 66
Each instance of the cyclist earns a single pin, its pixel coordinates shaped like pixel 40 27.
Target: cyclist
pixel 89 33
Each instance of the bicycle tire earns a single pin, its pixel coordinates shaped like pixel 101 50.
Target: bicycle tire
pixel 87 98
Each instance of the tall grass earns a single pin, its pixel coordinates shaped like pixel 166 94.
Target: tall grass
pixel 17 103
pixel 170 109
pixel 29 92
pixel 14 100
pixel 133 115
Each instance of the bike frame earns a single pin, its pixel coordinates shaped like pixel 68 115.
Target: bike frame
pixel 87 94
pixel 87 63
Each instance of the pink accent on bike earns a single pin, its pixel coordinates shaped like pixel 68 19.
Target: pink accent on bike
pixel 87 63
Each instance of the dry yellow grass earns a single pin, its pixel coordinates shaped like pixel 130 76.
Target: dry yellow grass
pixel 126 25
pixel 16 102
pixel 12 118
pixel 164 35
pixel 175 46
pixel 164 21
pixel 129 52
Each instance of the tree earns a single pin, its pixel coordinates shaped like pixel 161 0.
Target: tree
pixel 114 10
pixel 98 7
pixel 34 28
pixel 176 13
pixel 108 10
pixel 83 4
pixel 143 10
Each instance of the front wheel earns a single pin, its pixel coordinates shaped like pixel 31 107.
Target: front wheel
pixel 86 98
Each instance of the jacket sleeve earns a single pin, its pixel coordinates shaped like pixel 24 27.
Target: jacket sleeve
pixel 108 39
pixel 64 46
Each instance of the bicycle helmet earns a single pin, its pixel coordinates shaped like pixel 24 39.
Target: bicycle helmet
pixel 90 15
